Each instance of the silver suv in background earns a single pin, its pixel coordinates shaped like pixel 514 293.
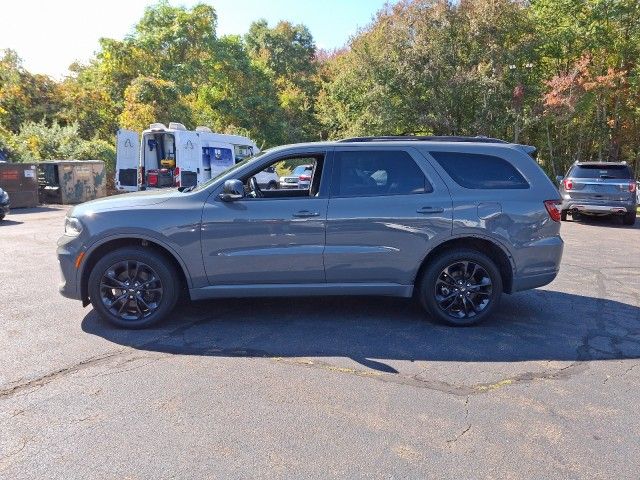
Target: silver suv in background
pixel 300 177
pixel 599 188
pixel 453 221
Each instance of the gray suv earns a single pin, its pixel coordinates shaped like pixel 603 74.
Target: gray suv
pixel 453 221
pixel 599 188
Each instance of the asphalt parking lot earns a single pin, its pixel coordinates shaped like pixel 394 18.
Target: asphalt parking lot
pixel 324 387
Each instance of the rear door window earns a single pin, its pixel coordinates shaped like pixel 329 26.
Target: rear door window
pixel 620 172
pixel 479 171
pixel 376 172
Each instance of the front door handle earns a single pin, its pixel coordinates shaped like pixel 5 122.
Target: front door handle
pixel 305 214
pixel 428 210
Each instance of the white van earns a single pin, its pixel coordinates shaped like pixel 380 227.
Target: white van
pixel 176 157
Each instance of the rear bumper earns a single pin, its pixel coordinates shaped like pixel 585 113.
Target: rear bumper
pixel 607 208
pixel 532 281
pixel 539 264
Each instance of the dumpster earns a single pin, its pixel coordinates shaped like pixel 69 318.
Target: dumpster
pixel 71 181
pixel 20 181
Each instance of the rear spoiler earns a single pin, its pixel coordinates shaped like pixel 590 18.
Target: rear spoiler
pixel 529 150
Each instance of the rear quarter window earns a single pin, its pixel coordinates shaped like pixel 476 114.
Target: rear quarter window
pixel 479 171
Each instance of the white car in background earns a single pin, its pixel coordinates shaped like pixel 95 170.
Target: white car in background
pixel 300 178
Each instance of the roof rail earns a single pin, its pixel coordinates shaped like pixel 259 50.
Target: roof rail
pixel 421 138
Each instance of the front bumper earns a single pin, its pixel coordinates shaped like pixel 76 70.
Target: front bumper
pixel 67 252
pixel 4 209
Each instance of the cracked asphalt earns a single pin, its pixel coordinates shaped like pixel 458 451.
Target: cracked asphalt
pixel 324 387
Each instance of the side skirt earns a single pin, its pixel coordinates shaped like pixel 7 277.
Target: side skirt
pixel 301 290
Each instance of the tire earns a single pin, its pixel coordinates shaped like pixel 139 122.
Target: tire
pixel 629 218
pixel 563 215
pixel 575 216
pixel 151 304
pixel 437 285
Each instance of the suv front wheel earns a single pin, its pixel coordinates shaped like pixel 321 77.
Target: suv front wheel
pixel 460 287
pixel 133 287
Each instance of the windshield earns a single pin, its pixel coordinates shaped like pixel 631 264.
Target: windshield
pixel 238 165
pixel 601 171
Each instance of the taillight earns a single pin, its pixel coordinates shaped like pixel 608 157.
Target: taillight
pixel 632 186
pixel 304 178
pixel 552 209
pixel 568 184
pixel 176 176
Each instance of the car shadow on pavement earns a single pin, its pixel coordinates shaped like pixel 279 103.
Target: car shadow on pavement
pixel 610 221
pixel 7 222
pixel 39 209
pixel 535 325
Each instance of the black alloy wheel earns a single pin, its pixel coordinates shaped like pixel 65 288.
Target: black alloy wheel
pixel 463 289
pixel 460 287
pixel 134 287
pixel 131 290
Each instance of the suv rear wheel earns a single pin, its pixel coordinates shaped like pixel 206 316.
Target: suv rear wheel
pixel 629 218
pixel 461 287
pixel 133 287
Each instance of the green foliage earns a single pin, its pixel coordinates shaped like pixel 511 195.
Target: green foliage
pixel 149 100
pixel 239 96
pixel 287 55
pixel 23 96
pixel 38 141
pixel 96 149
pixel 432 67
pixel 590 55
pixel 286 50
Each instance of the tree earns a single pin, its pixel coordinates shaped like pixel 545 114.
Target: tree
pixel 39 141
pixel 239 96
pixel 590 51
pixel 287 55
pixel 149 100
pixel 23 96
pixel 169 43
pixel 85 100
pixel 431 66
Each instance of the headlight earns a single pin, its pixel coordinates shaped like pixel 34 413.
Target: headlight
pixel 72 227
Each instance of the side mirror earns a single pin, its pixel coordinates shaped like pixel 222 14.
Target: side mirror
pixel 559 178
pixel 232 190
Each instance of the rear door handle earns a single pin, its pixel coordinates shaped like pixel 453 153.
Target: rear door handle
pixel 305 214
pixel 427 210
